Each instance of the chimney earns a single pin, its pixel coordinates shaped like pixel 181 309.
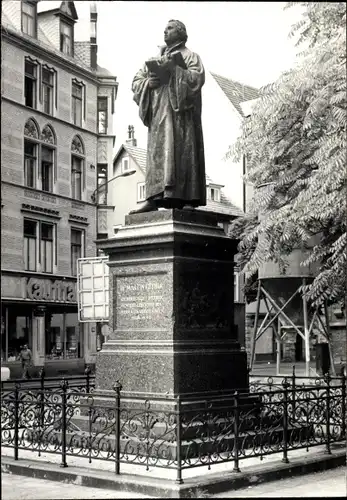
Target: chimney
pixel 93 44
pixel 131 141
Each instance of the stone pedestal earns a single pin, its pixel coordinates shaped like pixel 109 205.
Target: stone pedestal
pixel 171 319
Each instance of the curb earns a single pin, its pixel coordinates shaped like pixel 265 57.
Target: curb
pixel 155 487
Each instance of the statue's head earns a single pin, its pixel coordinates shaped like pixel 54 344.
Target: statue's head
pixel 175 32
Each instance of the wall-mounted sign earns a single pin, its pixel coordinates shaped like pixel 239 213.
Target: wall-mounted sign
pixel 53 291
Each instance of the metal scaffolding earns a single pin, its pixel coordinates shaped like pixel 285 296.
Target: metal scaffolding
pixel 275 311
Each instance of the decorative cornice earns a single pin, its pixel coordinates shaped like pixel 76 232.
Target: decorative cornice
pixel 33 190
pixel 78 218
pixel 16 38
pixel 40 210
pixel 51 118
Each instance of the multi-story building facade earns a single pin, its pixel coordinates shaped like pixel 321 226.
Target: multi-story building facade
pixel 56 141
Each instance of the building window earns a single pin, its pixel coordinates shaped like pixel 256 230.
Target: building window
pixel 76 249
pixel 141 191
pixel 30 162
pixel 102 115
pixel 102 184
pixel 47 90
pixel 29 18
pixel 125 164
pixel 46 248
pixel 30 236
pixel 236 287
pixel 47 156
pixel 30 84
pixel 77 166
pixel 214 194
pixel 66 38
pixel 77 103
pixel 76 177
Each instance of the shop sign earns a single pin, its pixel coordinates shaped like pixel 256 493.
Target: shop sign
pixel 55 291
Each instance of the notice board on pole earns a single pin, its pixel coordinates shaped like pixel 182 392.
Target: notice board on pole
pixel 93 289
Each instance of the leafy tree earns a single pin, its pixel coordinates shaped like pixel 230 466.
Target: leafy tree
pixel 295 139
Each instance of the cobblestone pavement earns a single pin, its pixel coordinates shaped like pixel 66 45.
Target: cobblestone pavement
pixel 25 488
pixel 331 483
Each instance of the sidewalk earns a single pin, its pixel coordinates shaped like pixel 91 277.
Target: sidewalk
pixel 28 488
pixel 159 482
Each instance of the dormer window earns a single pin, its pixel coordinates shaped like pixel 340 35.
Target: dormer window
pixel 214 194
pixel 66 38
pixel 29 18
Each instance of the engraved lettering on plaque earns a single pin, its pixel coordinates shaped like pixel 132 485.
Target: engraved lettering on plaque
pixel 139 300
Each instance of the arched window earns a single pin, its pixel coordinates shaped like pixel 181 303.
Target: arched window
pixel 48 135
pixel 77 168
pixel 31 129
pixel 41 175
pixel 48 170
pixel 31 136
pixel 77 145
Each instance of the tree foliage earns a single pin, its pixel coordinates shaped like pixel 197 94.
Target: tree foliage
pixel 295 139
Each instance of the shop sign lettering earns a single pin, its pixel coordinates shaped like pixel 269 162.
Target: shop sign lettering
pixel 58 291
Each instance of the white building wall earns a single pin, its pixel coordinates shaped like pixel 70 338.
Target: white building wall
pixel 221 126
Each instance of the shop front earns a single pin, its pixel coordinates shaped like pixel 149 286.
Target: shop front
pixel 42 313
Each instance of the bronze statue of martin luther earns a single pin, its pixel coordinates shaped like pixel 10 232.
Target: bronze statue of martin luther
pixel 167 90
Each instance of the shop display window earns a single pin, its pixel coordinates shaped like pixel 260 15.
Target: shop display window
pixel 63 336
pixel 16 330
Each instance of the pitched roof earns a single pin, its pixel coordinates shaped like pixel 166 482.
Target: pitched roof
pixel 223 207
pixel 139 155
pixel 82 51
pixel 236 92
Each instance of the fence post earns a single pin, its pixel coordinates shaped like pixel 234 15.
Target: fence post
pixel 87 373
pixel 64 386
pixel 90 403
pixel 16 419
pixel 285 421
pixel 327 413
pixel 343 405
pixel 117 387
pixel 293 392
pixel 42 397
pixel 179 479
pixel 236 432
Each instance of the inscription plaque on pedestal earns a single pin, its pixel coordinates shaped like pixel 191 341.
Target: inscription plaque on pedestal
pixel 138 299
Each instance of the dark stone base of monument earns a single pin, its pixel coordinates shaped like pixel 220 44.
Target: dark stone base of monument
pixel 171 326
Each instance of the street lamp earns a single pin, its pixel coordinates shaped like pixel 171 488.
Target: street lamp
pixel 126 173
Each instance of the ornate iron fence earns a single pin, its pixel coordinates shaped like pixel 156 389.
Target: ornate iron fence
pixel 82 383
pixel 275 382
pixel 173 432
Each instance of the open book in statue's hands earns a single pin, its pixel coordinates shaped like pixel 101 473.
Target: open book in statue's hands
pixel 160 66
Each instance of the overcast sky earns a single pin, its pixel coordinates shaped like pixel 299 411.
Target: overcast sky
pixel 246 41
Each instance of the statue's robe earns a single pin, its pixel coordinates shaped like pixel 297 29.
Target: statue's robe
pixel 175 154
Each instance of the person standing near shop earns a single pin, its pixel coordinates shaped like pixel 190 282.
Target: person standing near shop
pixel 25 357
